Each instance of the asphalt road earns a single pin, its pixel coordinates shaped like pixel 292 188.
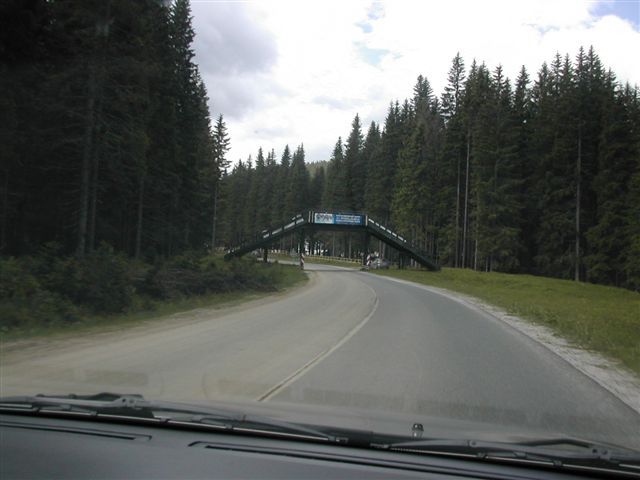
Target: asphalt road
pixel 348 339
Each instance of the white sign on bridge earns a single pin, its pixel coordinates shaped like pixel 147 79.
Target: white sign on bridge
pixel 326 218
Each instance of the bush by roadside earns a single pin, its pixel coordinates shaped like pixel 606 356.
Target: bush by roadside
pixel 50 289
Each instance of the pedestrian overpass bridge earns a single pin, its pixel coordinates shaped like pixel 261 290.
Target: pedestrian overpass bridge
pixel 309 222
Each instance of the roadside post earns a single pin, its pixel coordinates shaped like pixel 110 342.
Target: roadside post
pixel 301 248
pixel 366 257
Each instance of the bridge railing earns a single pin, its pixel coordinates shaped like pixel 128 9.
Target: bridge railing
pixel 269 233
pixel 333 220
pixel 406 244
pixel 379 226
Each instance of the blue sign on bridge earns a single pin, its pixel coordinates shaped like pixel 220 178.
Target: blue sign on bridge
pixel 349 219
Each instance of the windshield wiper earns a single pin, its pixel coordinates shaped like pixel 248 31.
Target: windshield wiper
pixel 110 406
pixel 583 455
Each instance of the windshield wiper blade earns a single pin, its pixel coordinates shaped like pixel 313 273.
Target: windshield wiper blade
pixel 91 405
pixel 135 407
pixel 589 455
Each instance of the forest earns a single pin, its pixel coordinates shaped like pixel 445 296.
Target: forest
pixel 109 166
pixel 107 142
pixel 540 175
pixel 106 134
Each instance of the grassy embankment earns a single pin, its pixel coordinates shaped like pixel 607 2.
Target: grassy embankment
pixel 595 317
pixel 50 295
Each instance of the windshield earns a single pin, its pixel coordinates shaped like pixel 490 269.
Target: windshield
pixel 413 218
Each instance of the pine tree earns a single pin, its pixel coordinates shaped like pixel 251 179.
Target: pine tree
pixel 497 180
pixel 354 168
pixel 609 239
pixel 316 189
pixel 270 196
pixel 370 153
pixel 555 146
pixel 381 173
pixel 249 201
pixel 280 213
pixel 454 152
pixel 261 189
pixel 221 145
pixel 335 196
pixel 407 203
pixel 297 199
pixel 522 116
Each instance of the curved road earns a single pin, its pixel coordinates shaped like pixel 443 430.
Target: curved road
pixel 348 339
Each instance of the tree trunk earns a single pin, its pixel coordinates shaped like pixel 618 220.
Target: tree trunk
pixel 477 229
pixel 94 84
pixel 93 206
pixel 213 221
pixel 578 181
pixel 5 211
pixel 456 262
pixel 466 204
pixel 85 170
pixel 140 215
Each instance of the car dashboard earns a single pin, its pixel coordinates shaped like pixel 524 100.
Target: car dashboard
pixel 42 447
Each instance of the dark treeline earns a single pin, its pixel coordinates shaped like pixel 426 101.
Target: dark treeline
pixel 105 129
pixel 106 138
pixel 539 176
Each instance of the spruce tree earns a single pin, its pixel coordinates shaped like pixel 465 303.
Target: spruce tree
pixel 354 168
pixel 335 196
pixel 297 199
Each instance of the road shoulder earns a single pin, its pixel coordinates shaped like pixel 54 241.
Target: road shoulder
pixel 619 381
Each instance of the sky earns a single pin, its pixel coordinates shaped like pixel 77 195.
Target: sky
pixel 290 72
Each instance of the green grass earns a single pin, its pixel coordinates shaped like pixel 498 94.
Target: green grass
pixel 147 310
pixel 595 317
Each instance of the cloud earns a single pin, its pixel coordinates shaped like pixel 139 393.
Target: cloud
pixel 235 54
pixel 229 41
pixel 337 103
pixel 375 10
pixel 364 26
pixel 372 56
pixel 238 96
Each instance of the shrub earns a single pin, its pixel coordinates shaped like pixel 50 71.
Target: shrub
pixel 102 281
pixel 49 288
pixel 16 282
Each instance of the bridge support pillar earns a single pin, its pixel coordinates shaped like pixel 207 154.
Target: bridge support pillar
pixel 365 252
pixel 301 248
pixel 301 242
pixel 312 243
